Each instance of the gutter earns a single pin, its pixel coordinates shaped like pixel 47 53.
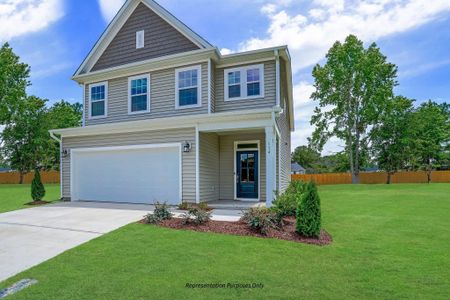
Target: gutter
pixel 53 136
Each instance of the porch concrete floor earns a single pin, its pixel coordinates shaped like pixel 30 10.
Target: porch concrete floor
pixel 234 205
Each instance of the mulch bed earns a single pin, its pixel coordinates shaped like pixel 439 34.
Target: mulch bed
pixel 240 228
pixel 35 203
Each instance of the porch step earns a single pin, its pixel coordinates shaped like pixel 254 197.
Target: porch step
pixel 238 205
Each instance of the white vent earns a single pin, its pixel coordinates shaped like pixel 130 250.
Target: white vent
pixel 140 39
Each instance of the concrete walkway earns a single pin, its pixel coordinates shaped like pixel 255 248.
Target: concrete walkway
pixel 31 236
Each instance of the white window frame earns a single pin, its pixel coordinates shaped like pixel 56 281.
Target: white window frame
pixel 143 76
pixel 243 83
pixel 199 87
pixel 104 83
pixel 138 34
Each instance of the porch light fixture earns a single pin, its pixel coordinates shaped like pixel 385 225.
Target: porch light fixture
pixel 187 147
pixel 65 152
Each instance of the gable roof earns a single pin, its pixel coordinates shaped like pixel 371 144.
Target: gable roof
pixel 119 20
pixel 295 167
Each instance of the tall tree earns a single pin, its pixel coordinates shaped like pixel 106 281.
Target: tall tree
pixel 390 137
pixel 25 138
pixel 431 134
pixel 13 82
pixel 307 157
pixel 352 88
pixel 61 114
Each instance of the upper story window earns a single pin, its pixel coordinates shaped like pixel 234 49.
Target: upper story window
pixel 244 83
pixel 139 94
pixel 98 97
pixel 140 39
pixel 188 87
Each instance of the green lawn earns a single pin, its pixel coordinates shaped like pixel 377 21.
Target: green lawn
pixel 389 242
pixel 14 196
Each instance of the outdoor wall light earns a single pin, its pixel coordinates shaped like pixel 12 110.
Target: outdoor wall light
pixel 65 152
pixel 187 147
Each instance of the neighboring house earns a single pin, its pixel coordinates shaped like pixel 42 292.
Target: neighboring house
pixel 5 170
pixel 168 118
pixel 297 169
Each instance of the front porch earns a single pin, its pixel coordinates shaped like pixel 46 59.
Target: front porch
pixel 237 168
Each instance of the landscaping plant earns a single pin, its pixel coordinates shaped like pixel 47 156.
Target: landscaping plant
pixel 184 206
pixel 196 216
pixel 160 213
pixel 37 188
pixel 308 212
pixel 260 219
pixel 286 203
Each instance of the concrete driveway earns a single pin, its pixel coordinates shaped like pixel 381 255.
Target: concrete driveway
pixel 31 236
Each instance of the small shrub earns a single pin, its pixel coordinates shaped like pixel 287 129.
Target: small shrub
pixel 286 203
pixel 184 206
pixel 160 213
pixel 37 188
pixel 203 206
pixel 308 212
pixel 260 219
pixel 196 216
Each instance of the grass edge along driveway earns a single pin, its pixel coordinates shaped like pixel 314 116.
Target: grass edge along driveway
pixel 15 196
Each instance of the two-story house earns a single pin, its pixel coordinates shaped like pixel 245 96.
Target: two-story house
pixel 168 118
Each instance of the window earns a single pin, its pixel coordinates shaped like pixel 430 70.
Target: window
pixel 244 83
pixel 98 96
pixel 188 87
pixel 139 96
pixel 140 39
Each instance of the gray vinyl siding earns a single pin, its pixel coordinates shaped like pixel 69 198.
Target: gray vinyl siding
pixel 162 98
pixel 138 138
pixel 161 39
pixel 285 132
pixel 209 167
pixel 226 144
pixel 269 91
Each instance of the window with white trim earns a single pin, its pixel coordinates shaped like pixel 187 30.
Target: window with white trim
pixel 139 94
pixel 139 39
pixel 188 87
pixel 244 82
pixel 98 95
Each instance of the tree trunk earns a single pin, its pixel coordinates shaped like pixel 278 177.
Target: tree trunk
pixel 429 176
pixel 21 174
pixel 389 174
pixel 355 177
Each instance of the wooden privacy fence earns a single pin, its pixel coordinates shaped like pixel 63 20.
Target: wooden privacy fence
pixel 14 177
pixel 375 178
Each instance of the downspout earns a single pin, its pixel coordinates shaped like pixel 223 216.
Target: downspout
pixel 277 77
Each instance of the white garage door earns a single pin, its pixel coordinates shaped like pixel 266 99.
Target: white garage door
pixel 134 174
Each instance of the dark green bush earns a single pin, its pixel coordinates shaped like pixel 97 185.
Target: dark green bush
pixel 160 213
pixel 308 212
pixel 260 219
pixel 196 216
pixel 37 188
pixel 286 203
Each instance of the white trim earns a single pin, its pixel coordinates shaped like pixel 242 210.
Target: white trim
pixel 269 49
pixel 270 137
pixel 243 82
pixel 104 83
pixel 60 170
pixel 240 63
pixel 140 39
pixel 146 76
pixel 234 125
pixel 277 78
pixel 128 147
pixel 199 87
pixel 209 86
pixel 236 143
pixel 83 122
pixel 197 165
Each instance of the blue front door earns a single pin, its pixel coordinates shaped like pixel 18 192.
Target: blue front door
pixel 247 174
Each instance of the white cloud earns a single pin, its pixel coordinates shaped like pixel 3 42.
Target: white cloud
pixel 226 51
pixel 19 17
pixel 311 34
pixel 109 8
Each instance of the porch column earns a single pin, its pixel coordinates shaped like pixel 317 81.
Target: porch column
pixel 270 164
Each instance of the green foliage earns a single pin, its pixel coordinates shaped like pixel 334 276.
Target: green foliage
pixel 430 131
pixel 307 157
pixel 260 219
pixel 391 136
pixel 37 188
pixel 160 213
pixel 13 82
pixel 184 206
pixel 196 216
pixel 352 88
pixel 286 203
pixel 308 212
pixel 203 206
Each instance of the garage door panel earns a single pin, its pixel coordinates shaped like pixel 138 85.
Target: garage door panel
pixel 133 175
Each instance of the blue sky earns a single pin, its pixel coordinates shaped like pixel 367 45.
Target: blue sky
pixel 53 37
